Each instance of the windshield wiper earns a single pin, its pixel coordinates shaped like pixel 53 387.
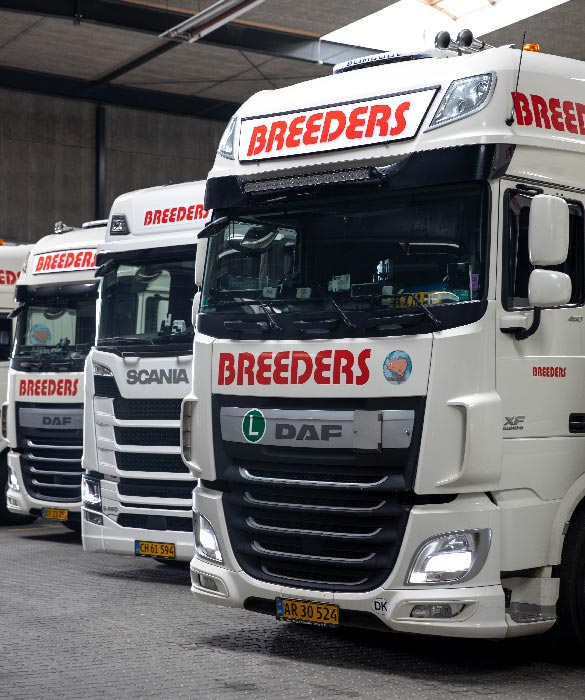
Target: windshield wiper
pixel 342 314
pixel 271 322
pixel 432 318
pixel 127 340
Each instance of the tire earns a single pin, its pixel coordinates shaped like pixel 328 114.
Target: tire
pixel 6 517
pixel 570 626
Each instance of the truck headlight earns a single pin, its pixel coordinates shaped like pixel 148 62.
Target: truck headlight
pixel 227 142
pixel 91 493
pixel 101 370
pixel 13 484
pixel 464 97
pixel 452 557
pixel 206 542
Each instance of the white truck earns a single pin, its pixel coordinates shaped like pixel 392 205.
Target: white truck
pixel 137 492
pixel 387 417
pixel 12 258
pixel 55 328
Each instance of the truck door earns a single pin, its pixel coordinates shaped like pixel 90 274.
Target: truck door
pixel 540 378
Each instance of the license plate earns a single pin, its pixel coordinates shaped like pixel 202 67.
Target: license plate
pixel 55 514
pixel 307 612
pixel 163 550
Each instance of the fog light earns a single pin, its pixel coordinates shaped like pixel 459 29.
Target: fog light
pixel 91 493
pixel 206 543
pixel 13 484
pixel 208 582
pixel 436 610
pixel 91 517
pixel 450 558
pixel 12 502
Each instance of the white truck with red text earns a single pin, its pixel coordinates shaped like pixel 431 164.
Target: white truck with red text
pixel 136 489
pixel 55 329
pixel 12 258
pixel 387 417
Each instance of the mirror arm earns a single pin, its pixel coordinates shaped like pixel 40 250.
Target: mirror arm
pixel 523 333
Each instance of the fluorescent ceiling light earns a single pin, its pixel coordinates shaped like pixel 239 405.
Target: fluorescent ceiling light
pixel 411 25
pixel 208 20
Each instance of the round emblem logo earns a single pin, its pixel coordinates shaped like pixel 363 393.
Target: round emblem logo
pixel 254 425
pixel 397 367
pixel 40 335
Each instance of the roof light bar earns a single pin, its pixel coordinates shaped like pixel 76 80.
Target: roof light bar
pixel 208 20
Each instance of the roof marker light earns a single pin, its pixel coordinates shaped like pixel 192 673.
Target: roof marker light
pixel 531 47
pixel 119 225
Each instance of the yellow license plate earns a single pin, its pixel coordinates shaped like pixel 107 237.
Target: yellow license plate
pixel 56 513
pixel 163 550
pixel 306 611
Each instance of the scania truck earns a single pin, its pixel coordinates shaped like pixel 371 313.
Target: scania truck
pixel 55 328
pixel 387 417
pixel 137 492
pixel 12 258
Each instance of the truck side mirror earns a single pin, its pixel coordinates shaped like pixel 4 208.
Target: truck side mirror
pixel 548 288
pixel 5 342
pixel 200 261
pixel 548 230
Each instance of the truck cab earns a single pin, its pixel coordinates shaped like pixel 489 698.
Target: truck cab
pixel 137 492
pixel 55 328
pixel 386 412
pixel 12 258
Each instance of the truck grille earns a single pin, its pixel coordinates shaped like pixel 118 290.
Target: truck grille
pixel 50 459
pixel 137 492
pixel 316 518
pixel 162 437
pixel 156 522
pixel 138 462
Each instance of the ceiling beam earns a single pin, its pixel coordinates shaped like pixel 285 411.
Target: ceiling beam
pixel 112 94
pixel 154 19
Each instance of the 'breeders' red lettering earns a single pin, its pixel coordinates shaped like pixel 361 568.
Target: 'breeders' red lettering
pixel 171 215
pixel 550 114
pixel 64 261
pixel 294 367
pixel 48 387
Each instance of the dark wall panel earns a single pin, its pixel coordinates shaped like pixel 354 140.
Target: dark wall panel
pixel 48 158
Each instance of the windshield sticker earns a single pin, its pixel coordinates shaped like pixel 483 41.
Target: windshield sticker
pixel 360 123
pixel 64 261
pixel 40 335
pixel 397 367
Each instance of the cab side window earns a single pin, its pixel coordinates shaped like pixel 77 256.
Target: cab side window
pixel 517 266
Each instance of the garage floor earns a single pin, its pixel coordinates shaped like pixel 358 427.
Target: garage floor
pixel 76 625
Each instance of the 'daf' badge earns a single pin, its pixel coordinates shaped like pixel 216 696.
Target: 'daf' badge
pixel 397 367
pixel 254 425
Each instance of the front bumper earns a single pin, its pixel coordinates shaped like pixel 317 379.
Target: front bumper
pixel 21 502
pixel 483 613
pixel 114 539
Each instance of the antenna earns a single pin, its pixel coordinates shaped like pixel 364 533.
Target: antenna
pixel 510 119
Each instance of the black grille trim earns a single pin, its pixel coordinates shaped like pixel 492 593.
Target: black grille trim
pixel 140 462
pixel 316 519
pixel 136 409
pixel 156 522
pixel 156 488
pixel 50 459
pixel 162 437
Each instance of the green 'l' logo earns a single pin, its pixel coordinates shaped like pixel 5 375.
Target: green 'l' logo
pixel 254 425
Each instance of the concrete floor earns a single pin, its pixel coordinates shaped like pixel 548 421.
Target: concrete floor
pixel 76 625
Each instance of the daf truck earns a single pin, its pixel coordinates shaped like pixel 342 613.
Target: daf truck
pixel 387 416
pixel 55 328
pixel 137 492
pixel 12 258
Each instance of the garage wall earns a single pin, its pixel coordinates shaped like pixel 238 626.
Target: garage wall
pixel 48 158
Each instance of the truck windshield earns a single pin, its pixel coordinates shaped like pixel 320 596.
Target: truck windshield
pixel 57 330
pixel 148 302
pixel 351 253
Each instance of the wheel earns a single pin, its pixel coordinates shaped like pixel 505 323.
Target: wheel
pixel 6 517
pixel 570 626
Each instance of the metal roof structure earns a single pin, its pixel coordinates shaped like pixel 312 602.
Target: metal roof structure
pixel 108 51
